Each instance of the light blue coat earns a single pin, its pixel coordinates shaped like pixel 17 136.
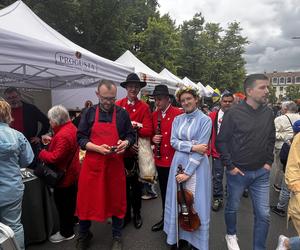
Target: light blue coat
pixel 15 153
pixel 188 130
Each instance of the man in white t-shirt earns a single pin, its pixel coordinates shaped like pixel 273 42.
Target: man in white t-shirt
pixel 217 167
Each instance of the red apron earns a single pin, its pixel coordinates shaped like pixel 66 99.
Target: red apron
pixel 102 182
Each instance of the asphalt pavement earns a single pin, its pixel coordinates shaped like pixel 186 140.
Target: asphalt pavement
pixel 145 239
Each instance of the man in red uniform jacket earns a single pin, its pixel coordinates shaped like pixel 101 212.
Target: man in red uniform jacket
pixel 217 166
pixel 162 119
pixel 141 119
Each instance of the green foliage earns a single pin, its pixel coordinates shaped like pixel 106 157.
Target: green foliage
pixel 201 51
pixel 159 44
pixel 293 92
pixel 272 94
pixel 210 57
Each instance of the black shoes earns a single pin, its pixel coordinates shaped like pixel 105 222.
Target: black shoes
pixel 278 211
pixel 217 204
pixel 84 240
pixel 277 188
pixel 137 220
pixel 158 226
pixel 246 193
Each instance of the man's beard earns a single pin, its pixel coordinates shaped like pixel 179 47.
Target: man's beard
pixel 105 109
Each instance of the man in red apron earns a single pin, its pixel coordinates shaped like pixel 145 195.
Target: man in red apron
pixel 141 118
pixel 105 131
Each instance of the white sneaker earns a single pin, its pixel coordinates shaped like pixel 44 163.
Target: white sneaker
pixel 281 240
pixel 231 241
pixel 56 238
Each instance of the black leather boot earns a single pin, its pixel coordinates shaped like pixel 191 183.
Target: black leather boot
pixel 158 226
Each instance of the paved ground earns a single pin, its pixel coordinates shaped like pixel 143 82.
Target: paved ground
pixel 144 239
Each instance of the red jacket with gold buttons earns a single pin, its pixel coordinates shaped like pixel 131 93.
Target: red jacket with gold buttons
pixel 166 150
pixel 139 112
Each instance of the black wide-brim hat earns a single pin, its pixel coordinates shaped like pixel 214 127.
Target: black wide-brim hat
pixel 133 78
pixel 161 89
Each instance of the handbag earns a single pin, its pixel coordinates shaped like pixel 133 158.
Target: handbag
pixel 147 169
pixel 48 173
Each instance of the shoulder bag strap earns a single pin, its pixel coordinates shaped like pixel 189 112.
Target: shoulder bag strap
pixel 289 120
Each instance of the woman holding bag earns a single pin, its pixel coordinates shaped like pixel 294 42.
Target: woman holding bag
pixel 63 153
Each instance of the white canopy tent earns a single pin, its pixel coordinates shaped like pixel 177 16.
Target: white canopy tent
pixel 209 90
pixel 170 76
pixel 145 73
pixel 187 81
pixel 33 55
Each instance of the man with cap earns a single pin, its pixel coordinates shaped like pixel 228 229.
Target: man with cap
pixel 162 121
pixel 141 119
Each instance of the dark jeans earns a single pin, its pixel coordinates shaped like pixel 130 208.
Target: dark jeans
pixel 218 173
pixel 133 189
pixel 65 200
pixel 84 226
pixel 258 184
pixel 163 175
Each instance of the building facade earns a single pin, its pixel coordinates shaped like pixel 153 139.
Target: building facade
pixel 281 80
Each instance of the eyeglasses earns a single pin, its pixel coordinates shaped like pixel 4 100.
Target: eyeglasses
pixel 108 99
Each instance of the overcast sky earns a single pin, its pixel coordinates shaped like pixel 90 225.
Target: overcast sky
pixel 268 24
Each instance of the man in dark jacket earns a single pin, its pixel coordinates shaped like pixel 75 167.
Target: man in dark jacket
pixel 26 118
pixel 246 143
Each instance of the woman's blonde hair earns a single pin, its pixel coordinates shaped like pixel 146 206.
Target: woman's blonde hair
pixel 187 89
pixel 5 112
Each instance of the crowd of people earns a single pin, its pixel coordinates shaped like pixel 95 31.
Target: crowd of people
pixel 244 141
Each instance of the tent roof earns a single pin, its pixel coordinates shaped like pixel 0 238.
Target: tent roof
pixel 32 54
pixel 145 73
pixel 169 75
pixel 188 81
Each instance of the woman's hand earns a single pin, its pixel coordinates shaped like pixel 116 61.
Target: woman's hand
pixel 182 177
pixel 200 148
pixel 46 139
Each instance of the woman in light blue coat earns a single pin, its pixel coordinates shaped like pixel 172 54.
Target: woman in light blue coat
pixel 15 153
pixel 190 136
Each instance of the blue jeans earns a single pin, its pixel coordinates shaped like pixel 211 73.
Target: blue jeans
pixel 258 184
pixel 117 224
pixel 294 243
pixel 10 215
pixel 218 173
pixel 284 196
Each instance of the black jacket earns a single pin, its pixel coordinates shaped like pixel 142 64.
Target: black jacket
pixel 124 126
pixel 32 116
pixel 247 137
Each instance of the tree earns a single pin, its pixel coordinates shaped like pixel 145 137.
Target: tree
pixel 159 44
pixel 293 92
pixel 188 57
pixel 272 95
pixel 233 69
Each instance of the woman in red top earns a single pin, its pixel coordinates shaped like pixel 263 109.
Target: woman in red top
pixel 63 152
